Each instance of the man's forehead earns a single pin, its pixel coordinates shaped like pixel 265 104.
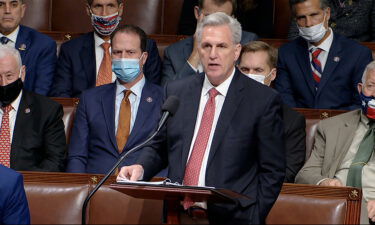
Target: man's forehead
pixel 4 1
pixel 104 2
pixel 220 33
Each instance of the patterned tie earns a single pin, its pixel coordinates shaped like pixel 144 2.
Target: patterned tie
pixel 105 69
pixel 5 137
pixel 123 127
pixel 316 66
pixel 194 164
pixel 361 158
pixel 4 40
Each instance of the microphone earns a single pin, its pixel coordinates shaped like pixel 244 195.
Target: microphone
pixel 169 108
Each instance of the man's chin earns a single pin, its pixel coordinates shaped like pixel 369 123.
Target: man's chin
pixel 7 29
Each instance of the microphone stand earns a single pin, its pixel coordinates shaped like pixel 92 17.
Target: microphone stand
pixel 84 207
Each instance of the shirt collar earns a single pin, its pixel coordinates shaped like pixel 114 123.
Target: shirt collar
pixel 222 88
pixel 325 45
pixel 98 40
pixel 13 36
pixel 136 89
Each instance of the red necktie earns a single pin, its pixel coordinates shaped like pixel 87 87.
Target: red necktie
pixel 316 66
pixel 105 69
pixel 5 137
pixel 194 164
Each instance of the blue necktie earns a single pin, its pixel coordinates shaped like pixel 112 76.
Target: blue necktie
pixel 4 40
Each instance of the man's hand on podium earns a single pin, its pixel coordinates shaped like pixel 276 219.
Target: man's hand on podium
pixel 132 173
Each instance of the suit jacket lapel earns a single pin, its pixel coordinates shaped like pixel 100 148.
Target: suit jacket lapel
pixel 22 117
pixel 22 42
pixel 190 109
pixel 231 103
pixel 144 109
pixel 304 63
pixel 88 59
pixel 345 137
pixel 108 107
pixel 332 61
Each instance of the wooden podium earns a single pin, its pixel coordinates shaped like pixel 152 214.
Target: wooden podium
pixel 173 195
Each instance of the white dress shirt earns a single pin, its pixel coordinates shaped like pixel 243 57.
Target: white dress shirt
pixel 134 99
pixel 12 115
pixel 325 46
pixel 219 101
pixel 99 54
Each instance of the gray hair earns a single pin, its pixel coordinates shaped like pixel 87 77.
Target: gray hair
pixel 218 19
pixel 10 51
pixel 369 67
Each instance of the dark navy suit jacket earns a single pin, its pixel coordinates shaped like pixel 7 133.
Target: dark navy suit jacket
pixel 343 70
pixel 247 150
pixel 13 203
pixel 76 66
pixel 93 146
pixel 38 53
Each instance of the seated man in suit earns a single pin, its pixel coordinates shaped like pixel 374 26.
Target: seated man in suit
pixel 32 133
pixel 13 202
pixel 320 69
pixel 181 59
pixel 223 134
pixel 38 51
pixel 85 62
pixel 113 118
pixel 343 148
pixel 258 61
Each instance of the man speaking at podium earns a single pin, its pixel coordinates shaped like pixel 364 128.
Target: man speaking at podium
pixel 227 132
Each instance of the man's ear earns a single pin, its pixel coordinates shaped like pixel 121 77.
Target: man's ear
pixel 197 12
pixel 237 52
pixel 23 73
pixel 359 87
pixel 273 74
pixel 144 58
pixel 88 10
pixel 23 9
pixel 120 9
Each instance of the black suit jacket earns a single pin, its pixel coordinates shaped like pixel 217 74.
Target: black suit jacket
pixel 76 66
pixel 39 142
pixel 295 142
pixel 247 151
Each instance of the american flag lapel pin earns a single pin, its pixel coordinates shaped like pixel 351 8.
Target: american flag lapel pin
pixel 149 99
pixel 336 59
pixel 22 47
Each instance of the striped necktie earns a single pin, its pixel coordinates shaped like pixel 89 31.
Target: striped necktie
pixel 316 65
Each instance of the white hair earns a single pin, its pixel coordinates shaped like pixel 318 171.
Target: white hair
pixel 10 51
pixel 369 67
pixel 218 19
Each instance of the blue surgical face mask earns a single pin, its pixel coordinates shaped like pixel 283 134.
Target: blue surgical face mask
pixel 127 70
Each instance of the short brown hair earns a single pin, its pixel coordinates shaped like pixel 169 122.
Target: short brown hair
pixel 219 3
pixel 323 4
pixel 135 30
pixel 256 46
pixel 89 2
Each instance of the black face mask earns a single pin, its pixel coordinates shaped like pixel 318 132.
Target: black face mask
pixel 10 92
